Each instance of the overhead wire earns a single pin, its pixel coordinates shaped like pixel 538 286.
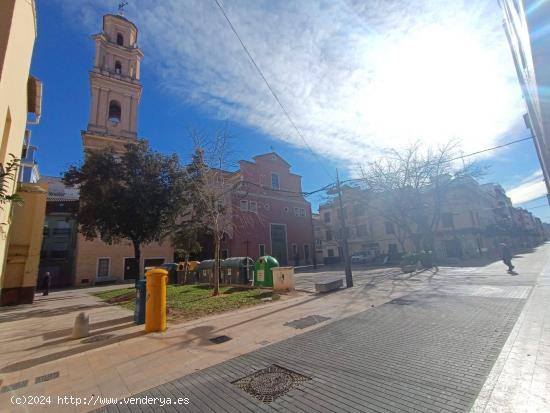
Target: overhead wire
pixel 299 133
pixel 286 113
pixel 333 184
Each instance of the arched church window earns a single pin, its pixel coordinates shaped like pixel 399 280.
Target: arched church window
pixel 114 111
pixel 120 39
pixel 118 67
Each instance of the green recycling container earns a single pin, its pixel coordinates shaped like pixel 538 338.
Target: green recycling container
pixel 263 276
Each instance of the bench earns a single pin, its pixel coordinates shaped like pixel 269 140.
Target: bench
pixel 326 286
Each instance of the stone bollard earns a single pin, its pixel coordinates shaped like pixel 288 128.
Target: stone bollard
pixel 81 326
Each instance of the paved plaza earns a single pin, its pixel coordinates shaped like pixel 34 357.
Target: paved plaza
pixel 428 351
pixel 448 339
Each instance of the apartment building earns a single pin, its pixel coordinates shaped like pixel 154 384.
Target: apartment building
pixel 526 26
pixel 20 104
pixel 472 220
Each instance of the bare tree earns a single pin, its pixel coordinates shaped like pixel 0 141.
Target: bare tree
pixel 408 188
pixel 210 193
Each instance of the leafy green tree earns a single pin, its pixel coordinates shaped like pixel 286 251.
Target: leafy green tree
pixel 137 195
pixel 186 241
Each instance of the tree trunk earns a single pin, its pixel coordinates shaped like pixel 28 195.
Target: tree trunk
pixel 185 269
pixel 137 257
pixel 216 275
pixel 402 244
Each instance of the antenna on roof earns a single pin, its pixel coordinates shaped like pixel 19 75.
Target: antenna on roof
pixel 121 6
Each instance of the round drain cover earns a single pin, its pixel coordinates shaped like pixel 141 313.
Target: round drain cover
pixel 270 384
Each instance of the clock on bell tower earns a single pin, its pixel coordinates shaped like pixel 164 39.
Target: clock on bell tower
pixel 115 86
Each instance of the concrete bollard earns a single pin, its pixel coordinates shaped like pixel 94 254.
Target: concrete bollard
pixel 81 326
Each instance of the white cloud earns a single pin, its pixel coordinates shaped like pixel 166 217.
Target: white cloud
pixel 530 188
pixel 355 76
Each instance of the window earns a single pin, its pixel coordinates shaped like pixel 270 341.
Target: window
pixel 274 181
pixel 118 67
pixel 373 249
pixel 297 211
pixel 294 250
pixel 447 220
pixel 390 229
pixel 244 205
pixel 120 39
pixel 306 252
pixel 329 235
pixel 114 111
pixel 253 206
pixel 287 209
pixel 330 252
pixel 262 250
pixel 357 210
pixel 302 212
pixel 339 213
pixel 326 216
pixel 267 207
pixel 103 265
pixel 225 254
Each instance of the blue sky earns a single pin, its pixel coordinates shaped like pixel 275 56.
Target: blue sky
pixel 356 77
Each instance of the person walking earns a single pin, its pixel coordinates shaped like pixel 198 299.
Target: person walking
pixel 506 256
pixel 46 282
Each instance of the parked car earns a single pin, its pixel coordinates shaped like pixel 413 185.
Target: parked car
pixel 359 259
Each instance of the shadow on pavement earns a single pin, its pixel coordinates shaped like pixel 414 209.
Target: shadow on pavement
pixel 200 331
pixel 42 312
pixel 93 326
pixel 25 364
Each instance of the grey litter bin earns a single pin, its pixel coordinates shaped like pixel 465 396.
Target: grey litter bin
pixel 141 294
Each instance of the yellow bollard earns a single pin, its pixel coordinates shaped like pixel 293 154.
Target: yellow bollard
pixel 155 306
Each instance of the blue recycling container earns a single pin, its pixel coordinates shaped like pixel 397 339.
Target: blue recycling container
pixel 141 294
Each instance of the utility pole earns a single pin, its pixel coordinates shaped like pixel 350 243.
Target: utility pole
pixel 344 236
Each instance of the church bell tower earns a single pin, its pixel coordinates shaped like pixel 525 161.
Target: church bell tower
pixel 115 86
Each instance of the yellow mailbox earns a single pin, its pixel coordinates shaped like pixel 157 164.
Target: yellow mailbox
pixel 155 307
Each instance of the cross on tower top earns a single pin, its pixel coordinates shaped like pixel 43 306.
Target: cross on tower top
pixel 121 6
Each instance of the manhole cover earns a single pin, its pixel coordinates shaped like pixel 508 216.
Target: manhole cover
pixel 220 339
pixel 270 383
pixel 308 321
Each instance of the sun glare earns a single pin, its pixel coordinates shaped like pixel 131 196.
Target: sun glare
pixel 436 83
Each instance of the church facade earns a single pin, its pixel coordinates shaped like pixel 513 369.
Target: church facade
pixel 115 95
